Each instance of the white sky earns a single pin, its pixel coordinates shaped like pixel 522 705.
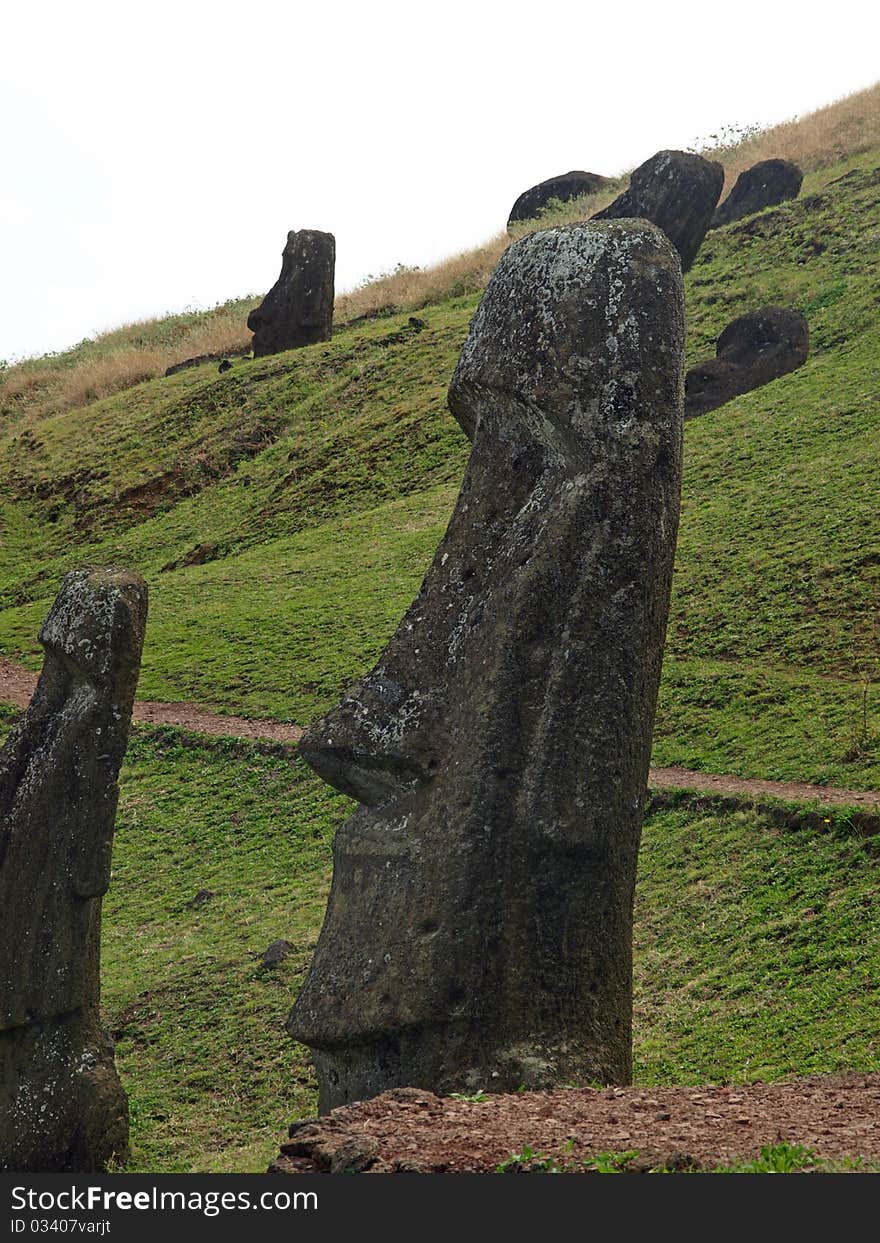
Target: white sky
pixel 153 156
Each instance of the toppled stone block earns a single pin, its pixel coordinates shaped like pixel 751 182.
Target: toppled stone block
pixel 223 359
pixel 61 1104
pixel 565 187
pixel 763 185
pixel 273 955
pixel 678 192
pixel 478 931
pixel 298 309
pixel 751 351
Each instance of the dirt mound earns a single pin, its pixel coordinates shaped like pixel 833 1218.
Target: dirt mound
pixel 410 1131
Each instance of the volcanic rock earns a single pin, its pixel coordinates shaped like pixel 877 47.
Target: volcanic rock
pixel 298 309
pixel 564 187
pixel 751 351
pixel 678 192
pixel 763 185
pixel 478 931
pixel 62 1107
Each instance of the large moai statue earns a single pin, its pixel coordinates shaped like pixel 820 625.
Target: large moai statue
pixel 478 932
pixel 62 1106
pixel 677 191
pixel 298 309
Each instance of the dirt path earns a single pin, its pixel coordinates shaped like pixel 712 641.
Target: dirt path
pixel 409 1131
pixel 791 791
pixel 17 686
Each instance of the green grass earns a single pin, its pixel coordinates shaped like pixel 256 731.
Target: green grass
pixel 212 1075
pixel 757 949
pixel 314 486
pixel 780 1158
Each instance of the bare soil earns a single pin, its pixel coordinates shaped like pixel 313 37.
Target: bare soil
pixel 791 791
pixel 411 1131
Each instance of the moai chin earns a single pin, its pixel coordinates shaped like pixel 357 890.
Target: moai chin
pixel 298 309
pixel 62 1106
pixel 478 932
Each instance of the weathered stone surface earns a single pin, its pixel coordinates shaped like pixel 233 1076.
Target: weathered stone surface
pixel 751 351
pixel 564 187
pixel 61 1104
pixel 763 185
pixel 478 931
pixel 678 192
pixel 298 309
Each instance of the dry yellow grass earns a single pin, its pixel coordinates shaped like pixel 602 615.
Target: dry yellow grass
pixel 408 289
pixel 847 127
pixel 119 359
pixel 136 352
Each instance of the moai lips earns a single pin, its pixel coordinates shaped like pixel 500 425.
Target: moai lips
pixel 478 932
pixel 62 1104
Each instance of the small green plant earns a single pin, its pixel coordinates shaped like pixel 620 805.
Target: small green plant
pixel 527 1161
pixel 610 1162
pixel 475 1099
pixel 775 1159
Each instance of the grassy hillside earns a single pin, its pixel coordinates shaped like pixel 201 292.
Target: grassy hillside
pixel 757 950
pixel 284 513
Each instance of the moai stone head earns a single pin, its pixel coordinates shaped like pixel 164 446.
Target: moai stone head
pixel 298 309
pixel 677 191
pixel 763 185
pixel 62 1106
pixel 58 793
pixel 479 922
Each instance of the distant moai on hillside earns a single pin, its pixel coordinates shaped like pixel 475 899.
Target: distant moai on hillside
pixel 677 191
pixel 565 187
pixel 479 926
pixel 751 351
pixel 298 309
pixel 62 1107
pixel 763 185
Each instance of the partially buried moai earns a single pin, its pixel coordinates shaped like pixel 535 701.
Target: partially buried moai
pixel 62 1106
pixel 478 932
pixel 298 309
